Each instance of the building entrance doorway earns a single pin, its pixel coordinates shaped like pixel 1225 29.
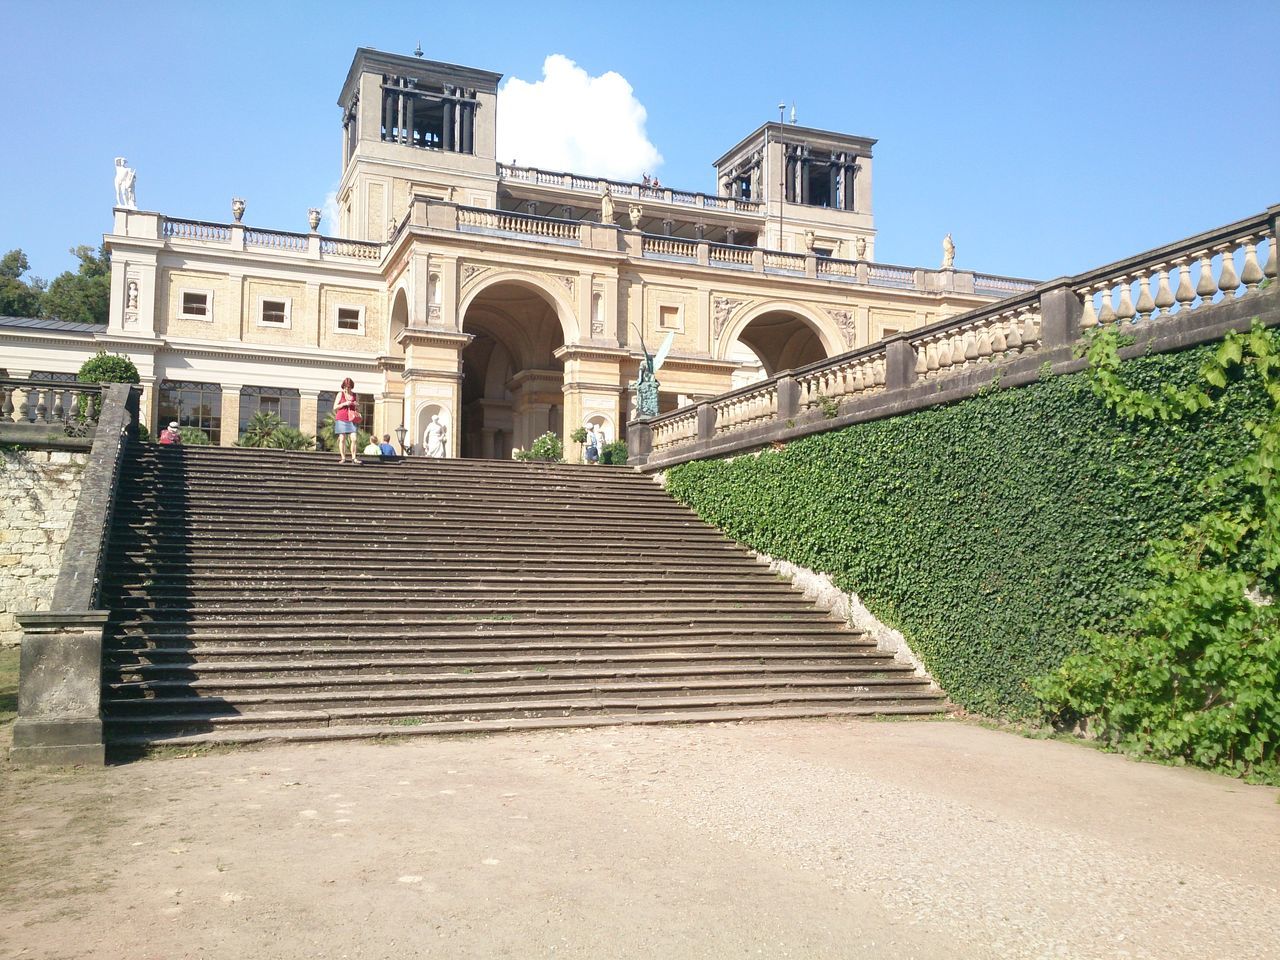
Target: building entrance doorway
pixel 512 382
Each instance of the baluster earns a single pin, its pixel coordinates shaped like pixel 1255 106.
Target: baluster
pixel 1164 296
pixel 42 405
pixel 931 354
pixel 1014 336
pixel 944 352
pixel 6 410
pixel 1269 268
pixel 984 342
pixel 878 372
pixel 25 412
pixel 970 344
pixel 1146 304
pixel 922 360
pixel 1089 316
pixel 1228 279
pixel 1251 276
pixel 1107 315
pixel 999 343
pixel 1031 329
pixel 58 414
pixel 1205 287
pixel 1186 294
pixel 1125 311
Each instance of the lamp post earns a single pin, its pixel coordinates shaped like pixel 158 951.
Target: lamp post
pixel 400 432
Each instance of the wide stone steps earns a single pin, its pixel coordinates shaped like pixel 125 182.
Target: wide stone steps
pixel 277 594
pixel 523 707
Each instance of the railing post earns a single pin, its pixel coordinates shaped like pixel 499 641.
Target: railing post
pixel 863 272
pixel 757 260
pixel 706 420
pixel 811 265
pixel 639 442
pixel 442 216
pixel 788 397
pixel 1060 312
pixel 703 253
pixel 900 363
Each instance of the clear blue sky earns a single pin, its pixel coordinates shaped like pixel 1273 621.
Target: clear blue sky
pixel 1047 137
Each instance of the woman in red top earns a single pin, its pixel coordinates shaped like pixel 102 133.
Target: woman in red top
pixel 346 415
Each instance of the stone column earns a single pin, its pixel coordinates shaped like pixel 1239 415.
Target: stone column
pixel 230 414
pixel 446 134
pixel 308 411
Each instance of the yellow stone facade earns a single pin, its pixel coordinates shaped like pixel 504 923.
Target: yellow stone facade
pixel 503 300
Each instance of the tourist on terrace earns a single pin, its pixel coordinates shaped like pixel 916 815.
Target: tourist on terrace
pixel 170 436
pixel 346 417
pixel 385 448
pixel 371 449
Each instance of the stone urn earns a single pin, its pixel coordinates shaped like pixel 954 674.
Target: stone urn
pixel 313 218
pixel 237 208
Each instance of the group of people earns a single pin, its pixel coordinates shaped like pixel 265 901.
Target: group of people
pixel 595 443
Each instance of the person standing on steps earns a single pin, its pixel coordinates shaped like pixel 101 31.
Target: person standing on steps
pixel 346 420
pixel 170 436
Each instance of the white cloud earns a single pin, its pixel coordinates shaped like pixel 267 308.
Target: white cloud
pixel 571 121
pixel 332 216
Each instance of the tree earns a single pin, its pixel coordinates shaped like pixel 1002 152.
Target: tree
pixel 83 296
pixel 18 298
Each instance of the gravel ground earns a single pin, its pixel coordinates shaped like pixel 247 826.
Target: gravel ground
pixel 805 839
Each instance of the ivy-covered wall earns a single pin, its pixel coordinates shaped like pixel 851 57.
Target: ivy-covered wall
pixel 990 532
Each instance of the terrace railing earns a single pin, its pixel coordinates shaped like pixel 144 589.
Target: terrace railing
pixel 1183 293
pixel 49 412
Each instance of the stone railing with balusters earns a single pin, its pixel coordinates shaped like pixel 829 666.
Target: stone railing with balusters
pixel 626 190
pixel 655 246
pixel 479 219
pixel 237 237
pixel 49 411
pixel 993 336
pixel 1173 297
pixel 1213 267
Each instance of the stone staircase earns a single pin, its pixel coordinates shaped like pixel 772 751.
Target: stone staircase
pixel 264 594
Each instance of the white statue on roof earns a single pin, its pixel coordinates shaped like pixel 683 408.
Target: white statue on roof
pixel 125 177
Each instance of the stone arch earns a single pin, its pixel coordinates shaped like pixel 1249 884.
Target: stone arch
pixel 556 295
pixel 399 320
pixel 795 343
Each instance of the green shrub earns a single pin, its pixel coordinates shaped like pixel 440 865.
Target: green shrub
pixel 546 448
pixel 287 438
pixel 615 453
pixel 194 437
pixel 1191 672
pixel 992 531
pixel 105 367
pixel 259 430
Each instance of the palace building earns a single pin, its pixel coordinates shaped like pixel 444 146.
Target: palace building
pixel 505 300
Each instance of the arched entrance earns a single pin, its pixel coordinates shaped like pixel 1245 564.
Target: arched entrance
pixel 778 340
pixel 399 320
pixel 512 382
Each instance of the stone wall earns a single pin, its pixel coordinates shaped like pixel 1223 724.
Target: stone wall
pixel 38 494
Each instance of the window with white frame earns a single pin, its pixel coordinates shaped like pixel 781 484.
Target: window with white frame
pixel 195 304
pixel 274 311
pixel 349 319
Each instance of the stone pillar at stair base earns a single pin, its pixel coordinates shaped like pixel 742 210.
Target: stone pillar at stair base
pixel 59 701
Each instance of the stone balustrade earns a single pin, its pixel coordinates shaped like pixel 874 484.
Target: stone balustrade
pixel 1209 268
pixel 1188 292
pixel 482 220
pixel 656 246
pixel 39 411
pixel 993 336
pixel 237 237
pixel 627 190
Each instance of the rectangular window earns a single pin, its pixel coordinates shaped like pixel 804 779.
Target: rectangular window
pixel 197 405
pixel 273 311
pixel 195 304
pixel 350 320
pixel 284 402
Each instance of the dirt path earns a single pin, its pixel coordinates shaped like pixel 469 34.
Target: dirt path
pixel 797 839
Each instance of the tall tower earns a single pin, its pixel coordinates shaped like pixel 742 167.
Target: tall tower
pixel 413 126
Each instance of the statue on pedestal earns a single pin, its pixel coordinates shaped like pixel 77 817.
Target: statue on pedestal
pixel 437 433
pixel 810 239
pixel 646 384
pixel 125 178
pixel 948 253
pixel 606 206
pixel 635 212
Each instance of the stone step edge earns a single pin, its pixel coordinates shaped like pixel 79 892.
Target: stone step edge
pixel 340 714
pixel 510 725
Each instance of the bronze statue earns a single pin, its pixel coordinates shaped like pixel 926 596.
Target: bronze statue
pixel 646 384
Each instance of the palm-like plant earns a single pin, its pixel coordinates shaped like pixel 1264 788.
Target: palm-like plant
pixel 326 439
pixel 258 431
